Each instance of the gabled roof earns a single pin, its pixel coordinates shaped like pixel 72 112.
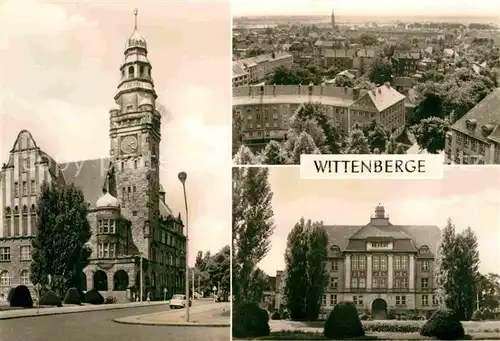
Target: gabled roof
pixel 482 121
pixel 89 175
pixel 372 230
pixel 383 97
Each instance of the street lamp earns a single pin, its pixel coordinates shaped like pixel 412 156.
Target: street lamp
pixel 182 178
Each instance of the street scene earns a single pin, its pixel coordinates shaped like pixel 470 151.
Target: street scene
pixel 366 259
pixel 106 214
pixel 359 77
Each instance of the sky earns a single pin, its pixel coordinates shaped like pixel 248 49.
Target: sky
pixel 469 195
pixel 59 70
pixel 366 7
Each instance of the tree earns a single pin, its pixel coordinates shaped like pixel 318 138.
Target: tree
pixel 343 81
pixel 391 146
pixel 59 248
pixel 244 156
pixel 296 281
pixel 432 76
pixel 254 51
pixel 357 143
pixel 376 134
pixel 380 71
pixel 273 154
pixel 305 259
pixel 253 225
pixel 429 101
pixel 317 276
pixel 431 134
pixel 364 84
pixel 219 270
pixel 293 75
pixel 316 111
pixel 258 284
pixel 236 131
pixel 456 270
pixel 301 144
pixel 467 272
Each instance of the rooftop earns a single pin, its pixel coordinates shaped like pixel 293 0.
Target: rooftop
pixel 482 121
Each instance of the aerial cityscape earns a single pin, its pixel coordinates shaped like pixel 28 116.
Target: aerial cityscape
pixel 355 84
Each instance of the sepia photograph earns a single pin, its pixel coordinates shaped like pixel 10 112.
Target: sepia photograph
pixel 363 77
pixel 365 259
pixel 115 179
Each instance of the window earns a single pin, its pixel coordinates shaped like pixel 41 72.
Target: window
pixel 379 244
pixel 25 277
pixel 131 71
pixel 434 300
pixel 334 283
pixel 25 188
pixel 105 226
pixel 375 263
pixel 324 300
pixel 335 265
pixel 425 300
pixel 4 254
pixel 425 265
pixel 135 164
pixel 362 283
pixel 106 250
pixel 4 278
pixel 357 300
pixel 16 189
pixel 333 299
pixel 400 300
pixel 354 282
pixel 33 187
pixel 25 252
pixel 425 283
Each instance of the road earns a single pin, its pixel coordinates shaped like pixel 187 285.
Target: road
pixel 99 326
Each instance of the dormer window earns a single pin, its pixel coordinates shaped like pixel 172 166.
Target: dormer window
pixel 424 249
pixel 487 129
pixel 471 123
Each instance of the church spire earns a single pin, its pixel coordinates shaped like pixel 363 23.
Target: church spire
pixel 135 19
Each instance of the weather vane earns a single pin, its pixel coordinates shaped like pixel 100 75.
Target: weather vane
pixel 135 14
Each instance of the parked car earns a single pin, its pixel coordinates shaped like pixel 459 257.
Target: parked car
pixel 179 301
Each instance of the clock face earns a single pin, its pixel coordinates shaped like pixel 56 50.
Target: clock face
pixel 129 144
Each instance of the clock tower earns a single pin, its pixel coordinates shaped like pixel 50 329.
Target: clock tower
pixel 135 139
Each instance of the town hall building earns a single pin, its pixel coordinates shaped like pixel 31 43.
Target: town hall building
pixel 122 188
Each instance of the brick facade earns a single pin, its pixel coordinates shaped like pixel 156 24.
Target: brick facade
pixel 130 176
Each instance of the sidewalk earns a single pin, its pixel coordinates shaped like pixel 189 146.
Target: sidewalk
pixel 206 315
pixel 19 313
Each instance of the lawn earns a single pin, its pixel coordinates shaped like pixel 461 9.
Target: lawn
pixel 378 330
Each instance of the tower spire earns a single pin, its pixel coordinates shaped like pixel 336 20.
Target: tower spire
pixel 135 18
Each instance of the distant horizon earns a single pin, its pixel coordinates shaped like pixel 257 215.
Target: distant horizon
pixel 366 15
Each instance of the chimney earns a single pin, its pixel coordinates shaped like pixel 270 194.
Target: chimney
pixel 355 94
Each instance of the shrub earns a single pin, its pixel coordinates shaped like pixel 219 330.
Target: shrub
pixel 275 316
pixel 477 316
pixel 391 315
pixel 50 298
pixel 343 322
pixel 391 327
pixel 285 315
pixel 72 297
pixel 444 325
pixel 364 317
pixel 21 297
pixel 412 315
pixel 250 321
pixel 110 300
pixel 488 314
pixel 94 297
pixel 11 293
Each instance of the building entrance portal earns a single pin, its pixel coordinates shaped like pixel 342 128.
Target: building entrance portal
pixel 379 309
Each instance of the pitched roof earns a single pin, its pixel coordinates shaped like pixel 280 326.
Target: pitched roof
pixel 408 237
pixel 88 175
pixel 384 97
pixel 482 121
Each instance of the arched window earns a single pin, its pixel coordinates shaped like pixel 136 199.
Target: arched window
pixel 141 71
pixel 7 210
pixel 25 209
pixel 334 249
pixel 424 249
pixel 130 71
pixel 25 277
pixel 4 278
pixel 33 208
pixel 16 210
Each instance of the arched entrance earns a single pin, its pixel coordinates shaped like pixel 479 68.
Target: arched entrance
pixel 379 309
pixel 120 280
pixel 100 281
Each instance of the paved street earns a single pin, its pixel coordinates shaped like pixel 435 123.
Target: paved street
pixel 99 325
